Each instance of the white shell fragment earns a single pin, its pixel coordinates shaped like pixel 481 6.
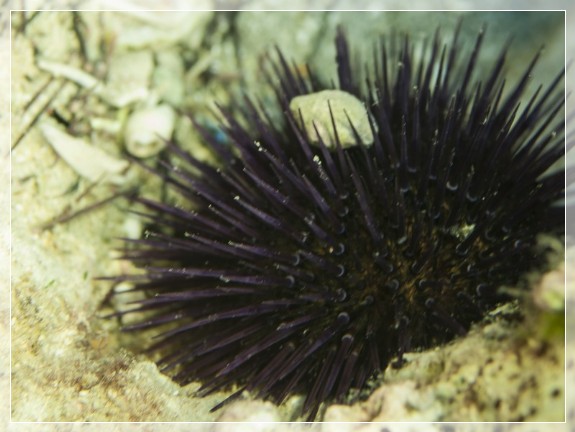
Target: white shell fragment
pixel 315 109
pixel 127 82
pixel 71 73
pixel 88 161
pixel 148 129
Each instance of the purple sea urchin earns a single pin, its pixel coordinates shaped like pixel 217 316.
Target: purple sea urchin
pixel 307 264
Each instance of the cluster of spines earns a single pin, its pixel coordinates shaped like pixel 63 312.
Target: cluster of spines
pixel 292 267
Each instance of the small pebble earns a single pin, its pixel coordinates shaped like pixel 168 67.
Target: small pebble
pixel 315 110
pixel 148 129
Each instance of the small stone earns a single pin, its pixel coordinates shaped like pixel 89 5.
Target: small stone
pixel 315 112
pixel 148 129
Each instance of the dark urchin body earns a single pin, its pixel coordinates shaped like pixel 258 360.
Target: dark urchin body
pixel 294 268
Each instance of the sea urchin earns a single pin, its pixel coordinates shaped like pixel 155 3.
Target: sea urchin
pixel 329 242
